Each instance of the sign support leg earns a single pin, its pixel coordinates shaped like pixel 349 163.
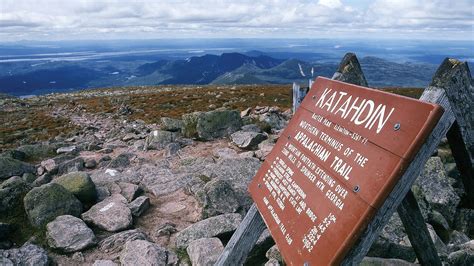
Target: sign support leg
pixel 243 240
pixel 417 232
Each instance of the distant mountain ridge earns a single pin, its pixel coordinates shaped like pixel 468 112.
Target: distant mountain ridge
pixel 228 68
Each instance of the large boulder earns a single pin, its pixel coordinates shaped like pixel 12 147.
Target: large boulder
pixel 44 203
pixel 11 167
pixel 69 234
pixel 142 252
pixel 80 184
pixel 111 214
pixel 37 152
pixel 247 139
pixel 434 187
pixel 28 254
pixel 210 227
pixel 212 124
pixel 12 192
pixel 115 242
pixel 205 251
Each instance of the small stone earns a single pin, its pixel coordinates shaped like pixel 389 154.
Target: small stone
pixel 247 139
pixel 29 178
pixel 204 251
pixel 69 234
pixel 218 197
pixel 166 229
pixel 274 253
pixel 78 256
pixel 142 252
pixel 90 163
pixel 68 149
pixel 139 205
pixel 104 263
pixel 49 164
pixel 111 214
pixel 74 165
pixel 121 161
pixel 210 227
pixel 115 242
pixel 130 136
pixel 245 112
pixel 370 261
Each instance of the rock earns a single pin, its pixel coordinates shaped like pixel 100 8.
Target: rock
pixel 12 192
pixel 457 238
pixel 28 254
pixel 274 253
pixel 90 163
pixel 434 187
pixel 69 234
pixel 275 121
pixel 74 165
pixel 261 247
pixel 264 148
pixel 11 167
pixel 349 71
pixel 28 177
pixel 68 149
pixel 251 128
pixel 464 221
pixel 80 184
pixel 463 257
pixel 111 214
pixel 210 227
pixel 104 263
pixel 115 242
pixel 211 125
pixel 130 136
pixel 43 204
pixel 438 243
pixel 121 161
pixel 217 197
pixel 246 112
pixel 17 155
pixel 172 149
pixel 226 153
pixel 37 152
pixel 170 124
pixel 139 205
pixel 50 165
pixel 142 252
pixel 158 139
pixel 272 262
pixel 247 140
pixel 204 251
pixel 129 191
pixel 78 257
pixel 165 229
pixel 42 180
pixel 372 261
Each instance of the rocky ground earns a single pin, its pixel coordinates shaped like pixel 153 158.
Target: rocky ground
pixel 111 186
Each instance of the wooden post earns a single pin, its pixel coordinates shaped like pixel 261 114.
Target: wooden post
pixel 243 240
pixel 417 232
pixel 455 78
pixel 360 249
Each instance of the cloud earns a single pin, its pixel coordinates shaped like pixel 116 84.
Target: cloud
pixel 82 19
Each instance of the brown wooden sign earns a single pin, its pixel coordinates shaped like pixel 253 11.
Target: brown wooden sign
pixel 334 165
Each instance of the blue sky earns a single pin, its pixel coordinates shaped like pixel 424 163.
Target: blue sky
pixel 141 19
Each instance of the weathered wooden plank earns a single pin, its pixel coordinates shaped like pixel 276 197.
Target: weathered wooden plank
pixel 243 240
pixel 417 232
pixel 455 78
pixel 360 249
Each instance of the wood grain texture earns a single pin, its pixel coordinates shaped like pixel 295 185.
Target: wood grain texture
pixel 417 232
pixel 360 249
pixel 243 240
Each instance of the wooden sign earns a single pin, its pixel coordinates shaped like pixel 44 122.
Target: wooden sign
pixel 334 165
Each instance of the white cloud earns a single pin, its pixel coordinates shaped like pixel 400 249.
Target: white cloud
pixel 23 19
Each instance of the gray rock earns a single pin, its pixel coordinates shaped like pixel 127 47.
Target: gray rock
pixel 349 71
pixel 12 192
pixel 80 184
pixel 111 214
pixel 204 251
pixel 121 161
pixel 129 191
pixel 130 136
pixel 18 155
pixel 28 177
pixel 217 197
pixel 69 234
pixel 170 124
pixel 212 124
pixel 371 261
pixel 463 257
pixel 50 165
pixel 37 152
pixel 247 140
pixel 165 229
pixel 272 262
pixel 438 243
pixel 28 254
pixel 252 128
pixel 172 149
pixel 457 238
pixel 225 153
pixel 464 221
pixel 210 227
pixel 115 242
pixel 274 253
pixel 68 149
pixel 264 148
pixel 74 165
pixel 142 252
pixel 43 204
pixel 158 139
pixel 275 120
pixel 11 167
pixel 104 263
pixel 42 180
pixel 434 187
pixel 139 205
pixel 90 163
